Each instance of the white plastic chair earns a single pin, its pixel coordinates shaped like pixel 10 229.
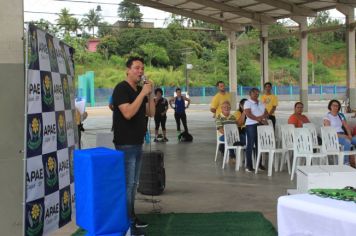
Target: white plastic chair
pixel 303 147
pixel 331 145
pixel 311 127
pixel 287 144
pixel 218 142
pixel 231 135
pixel 267 144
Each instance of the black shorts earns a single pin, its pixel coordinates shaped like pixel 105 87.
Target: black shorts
pixel 160 120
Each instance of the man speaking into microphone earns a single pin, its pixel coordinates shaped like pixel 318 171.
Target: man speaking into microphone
pixel 132 102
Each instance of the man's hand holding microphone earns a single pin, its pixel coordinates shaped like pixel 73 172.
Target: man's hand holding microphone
pixel 147 86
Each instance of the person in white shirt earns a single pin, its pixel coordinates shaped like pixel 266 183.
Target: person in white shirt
pixel 337 120
pixel 256 115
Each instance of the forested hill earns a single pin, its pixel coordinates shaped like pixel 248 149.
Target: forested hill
pixel 166 52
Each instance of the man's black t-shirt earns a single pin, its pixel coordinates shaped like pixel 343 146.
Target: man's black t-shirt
pixel 161 106
pixel 128 132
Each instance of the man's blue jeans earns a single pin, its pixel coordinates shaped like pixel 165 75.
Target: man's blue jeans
pixel 251 133
pixel 132 172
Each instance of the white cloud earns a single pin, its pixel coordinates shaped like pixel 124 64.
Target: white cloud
pixel 109 11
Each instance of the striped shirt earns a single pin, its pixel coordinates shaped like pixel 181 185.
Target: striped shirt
pixel 221 120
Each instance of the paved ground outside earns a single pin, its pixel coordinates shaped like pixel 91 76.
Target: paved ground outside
pixel 194 182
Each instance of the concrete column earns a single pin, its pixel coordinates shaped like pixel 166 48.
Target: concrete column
pixel 264 55
pixel 232 68
pixel 12 117
pixel 350 54
pixel 303 61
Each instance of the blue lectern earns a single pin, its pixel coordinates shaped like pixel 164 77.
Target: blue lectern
pixel 100 191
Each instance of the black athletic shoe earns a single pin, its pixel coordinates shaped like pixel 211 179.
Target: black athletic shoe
pixel 250 170
pixel 261 168
pixel 140 224
pixel 137 231
pixel 155 140
pixel 165 139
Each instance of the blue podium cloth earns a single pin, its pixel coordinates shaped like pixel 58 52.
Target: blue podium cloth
pixel 100 191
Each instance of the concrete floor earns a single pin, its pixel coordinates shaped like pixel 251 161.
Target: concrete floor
pixel 194 182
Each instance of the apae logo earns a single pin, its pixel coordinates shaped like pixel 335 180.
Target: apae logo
pixel 58 89
pixel 52 210
pixel 62 135
pixel 34 130
pixel 65 206
pixel 48 91
pixel 43 48
pixel 71 165
pixel 51 172
pixel 35 221
pixel 66 94
pixel 33 178
pixel 63 168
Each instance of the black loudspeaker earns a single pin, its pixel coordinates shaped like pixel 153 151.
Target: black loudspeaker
pixel 153 176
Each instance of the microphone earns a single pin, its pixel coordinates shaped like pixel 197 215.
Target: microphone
pixel 143 79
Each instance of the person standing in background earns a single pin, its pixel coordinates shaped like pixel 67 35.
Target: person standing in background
pixel 179 109
pixel 161 114
pixel 132 103
pixel 256 115
pixel 220 97
pixel 270 101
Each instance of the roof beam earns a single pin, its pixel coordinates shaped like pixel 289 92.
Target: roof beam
pixel 294 9
pixel 185 13
pixel 256 17
pixel 347 2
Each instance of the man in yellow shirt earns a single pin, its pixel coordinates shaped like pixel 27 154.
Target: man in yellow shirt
pixel 219 98
pixel 270 101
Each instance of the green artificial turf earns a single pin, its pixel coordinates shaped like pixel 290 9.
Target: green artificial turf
pixel 207 224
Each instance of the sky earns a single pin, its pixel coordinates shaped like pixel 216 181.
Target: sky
pixel 109 10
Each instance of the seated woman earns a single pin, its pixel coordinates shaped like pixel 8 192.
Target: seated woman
pixel 240 120
pixel 297 118
pixel 337 120
pixel 225 117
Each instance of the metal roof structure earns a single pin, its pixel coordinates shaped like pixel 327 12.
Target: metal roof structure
pixel 232 14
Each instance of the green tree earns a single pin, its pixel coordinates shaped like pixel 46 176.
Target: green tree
pixel 130 12
pixel 323 19
pixel 65 20
pixel 280 47
pixel 108 46
pixel 75 26
pixel 154 54
pixel 46 26
pixel 91 20
pixel 104 29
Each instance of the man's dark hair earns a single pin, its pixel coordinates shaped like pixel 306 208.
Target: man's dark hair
pixel 331 102
pixel 267 83
pixel 253 90
pixel 219 82
pixel 132 59
pixel 178 89
pixel 158 90
pixel 298 103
